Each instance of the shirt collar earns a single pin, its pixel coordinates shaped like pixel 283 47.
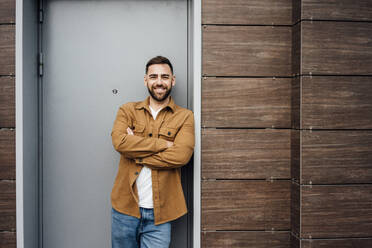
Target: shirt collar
pixel 145 104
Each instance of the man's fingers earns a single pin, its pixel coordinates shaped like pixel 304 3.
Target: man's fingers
pixel 169 144
pixel 129 131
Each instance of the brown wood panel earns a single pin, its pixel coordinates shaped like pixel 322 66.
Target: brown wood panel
pixel 295 155
pixel 245 205
pixel 337 48
pixel 337 243
pixel 295 102
pixel 7 102
pixel 7 11
pixel 246 102
pixel 247 12
pixel 330 157
pixel 7 154
pixel 245 154
pixel 348 10
pixel 246 51
pixel 296 49
pixel 7 205
pixel 276 239
pixel 8 240
pixel 347 99
pixel 334 211
pixel 295 209
pixel 7 49
pixel 295 242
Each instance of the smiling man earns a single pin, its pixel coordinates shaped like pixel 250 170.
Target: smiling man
pixel 155 138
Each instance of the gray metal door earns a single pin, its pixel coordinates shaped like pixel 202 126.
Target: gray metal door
pixel 92 50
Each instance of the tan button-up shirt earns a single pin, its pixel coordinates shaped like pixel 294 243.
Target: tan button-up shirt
pixel 148 147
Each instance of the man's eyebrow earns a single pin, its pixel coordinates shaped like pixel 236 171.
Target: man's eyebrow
pixel 153 74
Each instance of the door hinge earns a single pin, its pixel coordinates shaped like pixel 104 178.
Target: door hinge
pixel 41 15
pixel 41 64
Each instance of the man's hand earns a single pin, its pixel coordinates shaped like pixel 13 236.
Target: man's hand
pixel 169 144
pixel 130 132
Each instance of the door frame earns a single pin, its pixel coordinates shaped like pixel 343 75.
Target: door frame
pixel 27 128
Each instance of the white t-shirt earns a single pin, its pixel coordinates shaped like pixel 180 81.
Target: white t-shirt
pixel 144 180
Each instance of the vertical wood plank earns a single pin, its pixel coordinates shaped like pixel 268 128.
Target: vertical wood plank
pixel 8 240
pixel 7 11
pixel 245 154
pixel 241 239
pixel 7 102
pixel 7 205
pixel 261 12
pixel 336 48
pixel 336 211
pixel 347 99
pixel 336 157
pixel 245 205
pixel 347 10
pixel 246 102
pixel 246 51
pixel 7 154
pixel 7 49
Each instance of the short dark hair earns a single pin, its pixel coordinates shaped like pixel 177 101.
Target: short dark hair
pixel 159 60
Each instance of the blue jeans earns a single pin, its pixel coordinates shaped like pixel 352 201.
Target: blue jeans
pixel 130 232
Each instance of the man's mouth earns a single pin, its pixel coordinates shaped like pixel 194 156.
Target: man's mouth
pixel 159 90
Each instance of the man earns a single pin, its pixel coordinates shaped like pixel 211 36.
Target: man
pixel 155 138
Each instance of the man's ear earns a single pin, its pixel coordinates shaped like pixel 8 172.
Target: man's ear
pixel 145 80
pixel 173 80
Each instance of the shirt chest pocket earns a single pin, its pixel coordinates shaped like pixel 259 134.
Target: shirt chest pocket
pixel 139 129
pixel 167 133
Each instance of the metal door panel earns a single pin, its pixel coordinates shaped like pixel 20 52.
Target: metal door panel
pixel 92 47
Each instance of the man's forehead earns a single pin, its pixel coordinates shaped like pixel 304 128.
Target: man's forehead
pixel 159 69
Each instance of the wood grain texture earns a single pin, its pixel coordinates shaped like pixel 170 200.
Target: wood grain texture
pixel 276 239
pixel 296 49
pixel 295 209
pixel 7 154
pixel 247 12
pixel 295 155
pixel 7 11
pixel 245 205
pixel 7 49
pixel 336 211
pixel 331 243
pixel 295 242
pixel 246 102
pixel 347 99
pixel 245 154
pixel 7 102
pixel 337 243
pixel 246 51
pixel 336 48
pixel 295 102
pixel 7 205
pixel 335 157
pixel 347 10
pixel 8 239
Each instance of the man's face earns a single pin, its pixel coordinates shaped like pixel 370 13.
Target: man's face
pixel 159 81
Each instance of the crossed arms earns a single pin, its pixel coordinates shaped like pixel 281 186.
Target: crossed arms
pixel 155 153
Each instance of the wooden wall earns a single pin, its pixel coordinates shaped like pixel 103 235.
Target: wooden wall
pixel 7 125
pixel 246 123
pixel 331 164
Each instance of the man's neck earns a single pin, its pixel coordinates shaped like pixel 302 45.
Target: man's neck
pixel 156 105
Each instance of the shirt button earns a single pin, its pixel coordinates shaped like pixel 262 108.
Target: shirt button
pixel 169 133
pixel 136 173
pixel 150 134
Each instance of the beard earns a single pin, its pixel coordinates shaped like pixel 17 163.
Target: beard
pixel 158 97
